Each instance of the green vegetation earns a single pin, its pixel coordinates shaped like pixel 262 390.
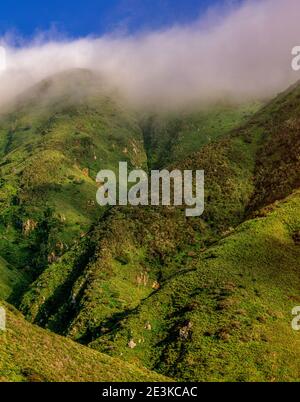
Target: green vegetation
pixel 54 140
pixel 206 298
pixel 229 318
pixel 31 354
pixel 11 280
pixel 172 137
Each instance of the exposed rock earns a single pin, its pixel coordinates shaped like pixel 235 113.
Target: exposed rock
pixel 85 172
pixel 60 246
pixel 62 218
pixel 28 226
pixel 228 231
pixel 131 344
pixel 148 326
pixel 142 278
pixel 52 257
pixel 185 331
pixel 155 285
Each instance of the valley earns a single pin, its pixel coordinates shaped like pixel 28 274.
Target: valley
pixel 145 289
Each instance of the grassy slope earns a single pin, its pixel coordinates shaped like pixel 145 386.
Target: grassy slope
pixel 10 279
pixel 54 140
pixel 135 247
pixel 136 243
pixel 227 294
pixel 29 353
pixel 277 162
pixel 170 137
pixel 229 319
pixel 52 144
pixel 96 289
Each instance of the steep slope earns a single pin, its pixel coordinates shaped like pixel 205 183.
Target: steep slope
pixel 29 353
pixel 277 170
pixel 136 248
pixel 54 140
pixel 229 318
pixel 204 298
pixel 171 137
pixel 209 311
pixel 12 281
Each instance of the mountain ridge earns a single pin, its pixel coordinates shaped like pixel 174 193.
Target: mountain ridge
pixel 188 294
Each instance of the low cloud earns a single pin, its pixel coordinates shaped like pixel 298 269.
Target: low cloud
pixel 239 53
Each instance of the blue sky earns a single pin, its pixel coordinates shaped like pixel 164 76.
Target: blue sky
pixel 95 17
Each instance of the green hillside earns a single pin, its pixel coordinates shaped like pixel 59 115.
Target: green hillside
pixel 133 249
pixel 31 354
pixel 54 140
pixel 229 317
pixel 12 281
pixel 205 298
pixel 170 137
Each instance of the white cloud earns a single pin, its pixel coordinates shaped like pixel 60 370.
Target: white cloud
pixel 245 52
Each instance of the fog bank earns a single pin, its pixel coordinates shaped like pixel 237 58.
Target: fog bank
pixel 240 52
